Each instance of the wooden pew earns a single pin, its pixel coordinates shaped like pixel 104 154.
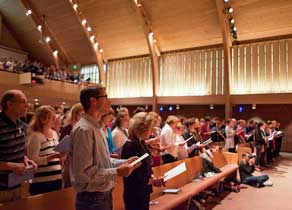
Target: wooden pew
pixel 241 150
pixel 65 199
pixel 62 199
pixel 191 188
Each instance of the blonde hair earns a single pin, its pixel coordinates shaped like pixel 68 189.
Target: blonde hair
pixel 157 118
pixel 72 116
pixel 41 114
pixel 171 119
pixel 141 123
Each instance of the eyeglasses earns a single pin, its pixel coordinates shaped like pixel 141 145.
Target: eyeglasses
pixel 102 96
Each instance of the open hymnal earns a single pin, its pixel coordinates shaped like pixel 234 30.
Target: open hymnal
pixel 175 171
pixel 16 179
pixel 275 134
pixel 64 145
pixel 139 159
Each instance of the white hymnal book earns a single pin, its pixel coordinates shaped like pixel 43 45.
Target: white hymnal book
pixel 275 134
pixel 171 191
pixel 139 159
pixel 64 145
pixel 185 141
pixel 175 171
pixel 207 142
pixel 16 179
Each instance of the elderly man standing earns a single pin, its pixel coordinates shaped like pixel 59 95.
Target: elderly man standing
pixel 92 170
pixel 12 143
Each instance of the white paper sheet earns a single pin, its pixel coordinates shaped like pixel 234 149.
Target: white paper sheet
pixel 15 179
pixel 139 159
pixel 64 145
pixel 185 141
pixel 175 171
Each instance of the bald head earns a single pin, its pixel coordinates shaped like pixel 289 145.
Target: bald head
pixel 14 104
pixel 9 95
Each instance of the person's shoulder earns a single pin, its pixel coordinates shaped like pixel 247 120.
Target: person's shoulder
pixel 36 135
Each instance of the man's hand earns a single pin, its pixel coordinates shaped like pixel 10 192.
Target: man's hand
pixel 115 155
pixel 18 168
pixel 28 162
pixel 124 170
pixel 251 161
pixel 157 182
pixel 181 144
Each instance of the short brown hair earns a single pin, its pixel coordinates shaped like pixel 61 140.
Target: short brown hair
pixel 8 95
pixel 87 93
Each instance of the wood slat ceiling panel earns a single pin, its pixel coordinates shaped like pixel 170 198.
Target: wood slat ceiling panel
pixel 25 30
pixel 63 22
pixel 259 19
pixel 117 27
pixel 185 23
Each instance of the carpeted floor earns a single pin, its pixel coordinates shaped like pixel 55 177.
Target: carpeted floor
pixel 278 197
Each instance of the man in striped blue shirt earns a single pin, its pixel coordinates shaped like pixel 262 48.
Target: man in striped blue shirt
pixel 12 143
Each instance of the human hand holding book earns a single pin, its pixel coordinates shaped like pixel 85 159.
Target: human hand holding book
pixel 138 160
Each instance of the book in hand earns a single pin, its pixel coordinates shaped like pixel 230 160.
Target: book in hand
pixel 16 179
pixel 275 134
pixel 64 145
pixel 185 141
pixel 139 159
pixel 208 141
pixel 171 191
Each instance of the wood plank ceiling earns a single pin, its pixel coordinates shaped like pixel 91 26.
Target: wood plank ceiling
pixel 117 27
pixel 25 30
pixel 62 20
pixel 257 19
pixel 185 23
pixel 176 25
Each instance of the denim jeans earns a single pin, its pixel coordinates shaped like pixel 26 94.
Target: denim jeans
pixel 253 180
pixel 94 201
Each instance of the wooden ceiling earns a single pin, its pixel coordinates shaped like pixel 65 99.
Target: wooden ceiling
pixel 176 25
pixel 257 19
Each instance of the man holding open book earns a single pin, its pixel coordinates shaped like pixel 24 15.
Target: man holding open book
pixel 91 168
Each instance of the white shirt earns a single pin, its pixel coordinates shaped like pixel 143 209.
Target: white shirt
pixel 168 139
pixel 119 139
pixel 229 138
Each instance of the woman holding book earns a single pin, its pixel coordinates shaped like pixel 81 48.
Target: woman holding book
pixel 40 148
pixel 138 186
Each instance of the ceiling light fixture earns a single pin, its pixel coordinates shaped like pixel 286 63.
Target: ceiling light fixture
pixel 229 9
pixel 75 6
pixel 88 28
pixel 48 39
pixel 95 45
pixel 28 12
pixel 84 22
pixel 55 53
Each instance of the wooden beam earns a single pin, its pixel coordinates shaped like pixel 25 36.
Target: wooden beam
pixel 54 44
pixel 97 50
pixel 227 43
pixel 153 47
